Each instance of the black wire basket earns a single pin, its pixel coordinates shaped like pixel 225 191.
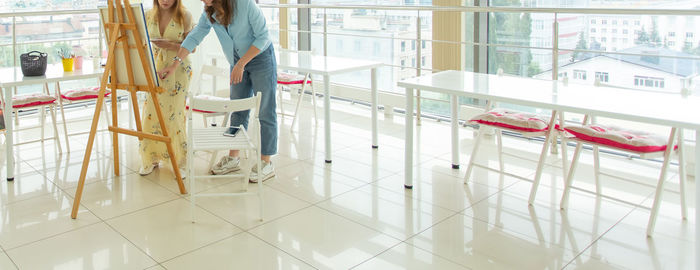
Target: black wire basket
pixel 33 63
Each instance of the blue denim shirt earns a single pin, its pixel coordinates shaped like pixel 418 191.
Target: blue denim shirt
pixel 247 27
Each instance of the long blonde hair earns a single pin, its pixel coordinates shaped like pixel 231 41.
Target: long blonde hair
pixel 178 15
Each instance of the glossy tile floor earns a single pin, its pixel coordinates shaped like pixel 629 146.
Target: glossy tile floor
pixel 351 214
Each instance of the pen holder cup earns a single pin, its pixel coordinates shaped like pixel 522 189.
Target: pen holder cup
pixel 67 64
pixel 78 63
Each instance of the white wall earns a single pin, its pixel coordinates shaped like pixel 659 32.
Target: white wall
pixel 210 46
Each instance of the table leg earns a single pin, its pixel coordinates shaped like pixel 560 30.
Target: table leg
pixel 375 143
pixel 327 115
pixel 408 159
pixel 455 132
pixel 9 140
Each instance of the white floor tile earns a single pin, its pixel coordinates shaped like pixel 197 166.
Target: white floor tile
pixel 93 247
pixel 323 239
pixel 627 246
pixel 122 194
pixel 391 213
pixel 444 190
pixel 242 251
pixel 244 211
pixel 5 262
pixel 25 186
pixel 405 256
pixel 166 231
pixel 478 245
pixel 40 217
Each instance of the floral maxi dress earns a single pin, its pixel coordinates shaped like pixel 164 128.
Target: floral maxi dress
pixel 172 100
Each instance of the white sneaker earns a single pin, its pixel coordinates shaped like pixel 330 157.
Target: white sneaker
pixel 148 169
pixel 268 171
pixel 227 164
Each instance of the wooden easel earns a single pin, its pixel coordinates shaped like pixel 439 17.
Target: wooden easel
pixel 117 30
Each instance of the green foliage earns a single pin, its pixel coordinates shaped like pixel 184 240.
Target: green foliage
pixel 512 29
pixel 642 38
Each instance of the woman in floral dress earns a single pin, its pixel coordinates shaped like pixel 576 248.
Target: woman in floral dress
pixel 168 25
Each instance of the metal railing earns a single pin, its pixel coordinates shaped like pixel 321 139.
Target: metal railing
pixel 418 28
pixel 15 15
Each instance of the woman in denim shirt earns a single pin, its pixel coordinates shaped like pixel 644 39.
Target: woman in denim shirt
pixel 242 32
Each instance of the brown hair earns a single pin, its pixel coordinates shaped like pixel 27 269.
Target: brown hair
pixel 224 11
pixel 178 14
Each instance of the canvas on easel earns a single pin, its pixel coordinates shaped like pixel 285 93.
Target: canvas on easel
pixel 129 67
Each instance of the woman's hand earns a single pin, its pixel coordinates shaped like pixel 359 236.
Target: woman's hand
pixel 237 73
pixel 165 73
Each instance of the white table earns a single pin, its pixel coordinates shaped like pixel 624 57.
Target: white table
pixel 647 107
pixel 305 62
pixel 12 77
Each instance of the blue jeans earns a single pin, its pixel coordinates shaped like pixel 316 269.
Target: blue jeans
pixel 260 75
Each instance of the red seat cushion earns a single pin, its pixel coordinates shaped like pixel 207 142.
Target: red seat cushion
pixel 83 93
pixel 639 141
pixel 31 100
pixel 526 122
pixel 286 78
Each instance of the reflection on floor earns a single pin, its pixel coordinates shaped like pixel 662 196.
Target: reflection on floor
pixel 353 213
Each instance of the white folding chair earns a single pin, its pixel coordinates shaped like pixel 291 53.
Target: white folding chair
pixel 294 81
pixel 39 101
pixel 212 139
pixel 214 73
pixel 528 126
pixel 641 143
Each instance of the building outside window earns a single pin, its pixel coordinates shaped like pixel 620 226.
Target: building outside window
pixel 579 74
pixel 602 76
pixel 403 46
pixel 651 82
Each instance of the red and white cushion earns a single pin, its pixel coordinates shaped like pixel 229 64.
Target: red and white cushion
pixel 287 78
pixel 83 93
pixel 522 121
pixel 36 99
pixel 635 140
pixel 205 97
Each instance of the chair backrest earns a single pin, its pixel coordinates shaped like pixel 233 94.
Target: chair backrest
pixel 227 106
pixel 214 72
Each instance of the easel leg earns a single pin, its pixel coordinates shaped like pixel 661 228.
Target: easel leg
pixel 86 158
pixel 169 144
pixel 115 135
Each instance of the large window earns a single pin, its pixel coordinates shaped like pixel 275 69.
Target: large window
pixel 602 76
pixel 650 82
